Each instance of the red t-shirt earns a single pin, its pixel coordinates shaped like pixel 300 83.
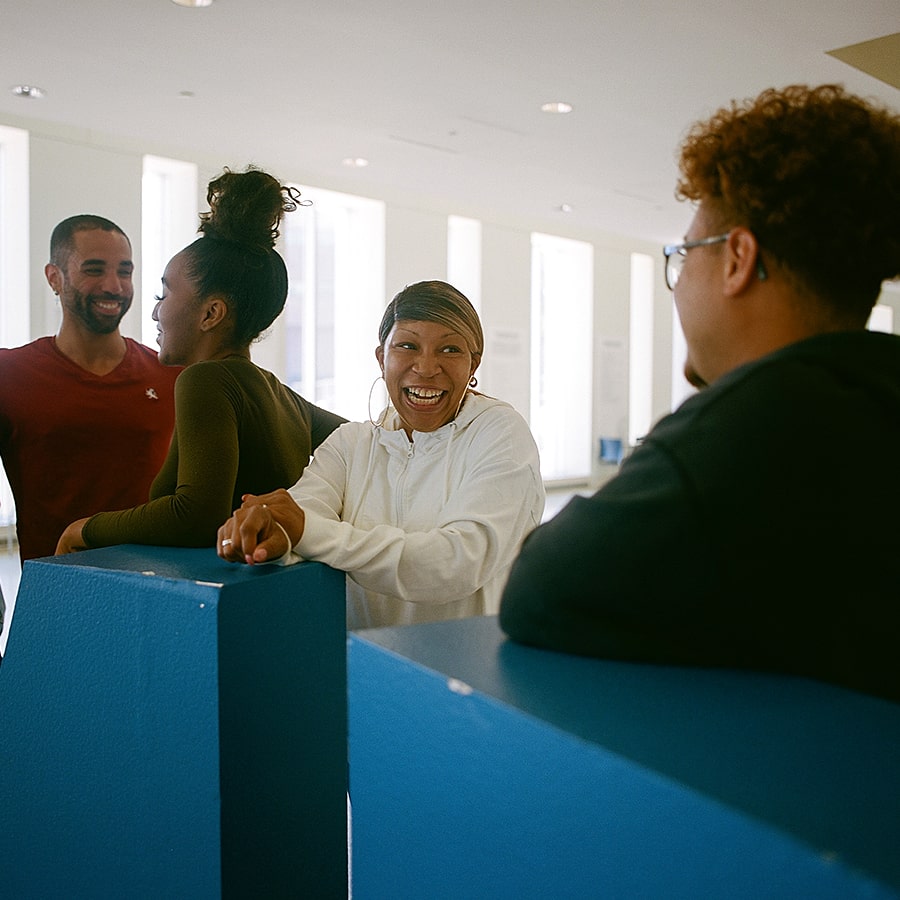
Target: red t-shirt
pixel 74 443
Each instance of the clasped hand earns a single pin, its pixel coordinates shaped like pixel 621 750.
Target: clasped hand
pixel 72 540
pixel 252 534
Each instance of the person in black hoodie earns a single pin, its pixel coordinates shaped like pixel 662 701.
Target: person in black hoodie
pixel 757 526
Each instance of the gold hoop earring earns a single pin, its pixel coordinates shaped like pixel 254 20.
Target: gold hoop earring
pixel 384 412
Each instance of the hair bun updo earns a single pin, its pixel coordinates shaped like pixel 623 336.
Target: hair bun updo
pixel 247 208
pixel 236 257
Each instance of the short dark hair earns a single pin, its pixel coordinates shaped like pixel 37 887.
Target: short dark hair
pixel 814 173
pixel 62 238
pixel 435 301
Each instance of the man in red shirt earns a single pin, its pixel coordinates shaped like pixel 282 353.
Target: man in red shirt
pixel 86 416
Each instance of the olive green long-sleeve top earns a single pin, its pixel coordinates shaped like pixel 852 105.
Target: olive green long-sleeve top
pixel 238 430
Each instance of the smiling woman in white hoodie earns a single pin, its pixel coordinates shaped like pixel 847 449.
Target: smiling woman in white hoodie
pixel 426 508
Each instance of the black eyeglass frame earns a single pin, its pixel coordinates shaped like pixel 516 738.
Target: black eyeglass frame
pixel 681 250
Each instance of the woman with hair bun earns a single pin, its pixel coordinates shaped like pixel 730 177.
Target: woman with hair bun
pixel 238 429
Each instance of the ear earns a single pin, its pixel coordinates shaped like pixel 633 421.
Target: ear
pixel 379 355
pixel 741 256
pixel 214 312
pixel 54 277
pixel 476 362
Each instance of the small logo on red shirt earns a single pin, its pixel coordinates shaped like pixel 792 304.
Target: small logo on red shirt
pixel 151 393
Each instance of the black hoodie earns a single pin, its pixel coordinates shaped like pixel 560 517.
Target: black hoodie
pixel 757 526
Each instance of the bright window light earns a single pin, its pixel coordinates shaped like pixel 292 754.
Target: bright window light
pixel 334 251
pixel 882 319
pixel 640 360
pixel 562 290
pixel 169 220
pixel 464 257
pixel 15 285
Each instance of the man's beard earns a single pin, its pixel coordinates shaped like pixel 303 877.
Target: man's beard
pixel 82 307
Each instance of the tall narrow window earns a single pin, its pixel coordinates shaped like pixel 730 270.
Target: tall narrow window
pixel 15 319
pixel 15 306
pixel 881 319
pixel 168 224
pixel 334 251
pixel 464 257
pixel 681 387
pixel 640 360
pixel 562 288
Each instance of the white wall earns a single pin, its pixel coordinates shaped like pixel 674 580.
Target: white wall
pixel 69 177
pixel 506 314
pixel 73 171
pixel 415 248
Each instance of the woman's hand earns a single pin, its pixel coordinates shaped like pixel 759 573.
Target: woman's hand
pixel 71 540
pixel 252 534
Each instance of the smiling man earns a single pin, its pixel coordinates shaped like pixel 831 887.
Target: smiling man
pixel 86 416
pixel 757 526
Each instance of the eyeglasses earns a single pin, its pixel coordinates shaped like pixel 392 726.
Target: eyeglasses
pixel 676 253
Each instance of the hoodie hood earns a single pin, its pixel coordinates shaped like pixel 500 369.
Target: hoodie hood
pixel 867 361
pixel 799 414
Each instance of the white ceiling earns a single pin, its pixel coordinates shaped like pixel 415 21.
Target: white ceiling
pixel 442 98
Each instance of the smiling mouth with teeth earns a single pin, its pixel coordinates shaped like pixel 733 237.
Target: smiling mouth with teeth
pixel 108 305
pixel 429 396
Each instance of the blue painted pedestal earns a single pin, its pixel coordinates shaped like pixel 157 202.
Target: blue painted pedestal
pixel 173 726
pixel 484 769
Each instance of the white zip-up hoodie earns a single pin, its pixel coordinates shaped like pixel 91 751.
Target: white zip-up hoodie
pixel 425 529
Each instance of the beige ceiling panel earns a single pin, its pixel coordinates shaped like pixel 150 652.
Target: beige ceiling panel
pixel 879 58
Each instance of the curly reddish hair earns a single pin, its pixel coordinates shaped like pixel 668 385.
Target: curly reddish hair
pixel 814 173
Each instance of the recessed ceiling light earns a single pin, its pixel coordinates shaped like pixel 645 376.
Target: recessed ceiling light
pixel 556 106
pixel 28 91
pixel 564 208
pixel 355 162
pixel 193 2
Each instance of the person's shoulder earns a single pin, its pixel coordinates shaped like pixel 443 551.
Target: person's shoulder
pixel 350 438
pixel 236 369
pixel 233 379
pixel 141 355
pixel 785 389
pixel 481 410
pixel 841 349
pixel 18 364
pixel 305 409
pixel 822 364
pixel 495 427
pixel 136 348
pixel 352 432
pixel 38 347
pixel 206 373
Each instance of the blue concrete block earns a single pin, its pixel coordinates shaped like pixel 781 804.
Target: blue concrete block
pixel 481 768
pixel 173 726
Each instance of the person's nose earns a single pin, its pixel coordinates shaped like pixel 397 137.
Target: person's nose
pixel 112 283
pixel 426 364
pixel 155 314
